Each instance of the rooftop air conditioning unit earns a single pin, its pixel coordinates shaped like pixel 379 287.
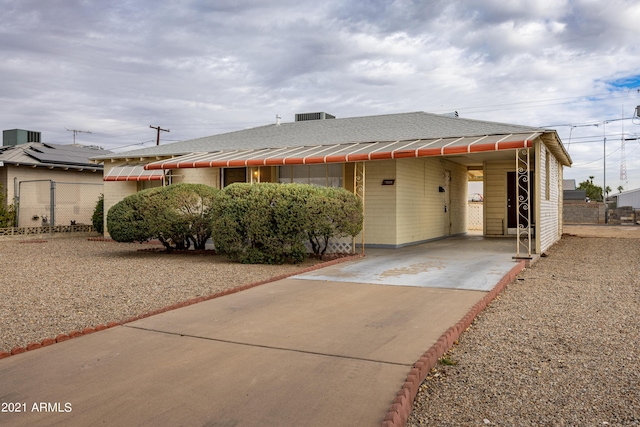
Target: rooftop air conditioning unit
pixel 301 117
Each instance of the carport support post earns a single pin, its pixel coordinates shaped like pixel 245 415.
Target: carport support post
pixel 523 193
pixel 358 190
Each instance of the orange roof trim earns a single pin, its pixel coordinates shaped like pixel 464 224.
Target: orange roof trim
pixel 348 152
pixel 133 173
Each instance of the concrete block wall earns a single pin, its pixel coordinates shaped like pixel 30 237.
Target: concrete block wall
pixel 625 215
pixel 583 213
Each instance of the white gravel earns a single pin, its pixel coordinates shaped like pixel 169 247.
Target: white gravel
pixel 559 347
pixel 70 283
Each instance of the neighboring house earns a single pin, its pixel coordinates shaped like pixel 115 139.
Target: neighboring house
pixel 411 171
pixel 568 184
pixel 575 196
pixel 627 198
pixel 51 184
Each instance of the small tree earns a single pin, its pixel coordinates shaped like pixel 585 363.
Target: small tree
pixel 620 189
pixel 97 219
pixel 7 212
pixel 594 192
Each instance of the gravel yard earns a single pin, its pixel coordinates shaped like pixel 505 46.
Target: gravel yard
pixel 69 283
pixel 559 347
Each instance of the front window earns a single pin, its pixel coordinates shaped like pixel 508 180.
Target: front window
pixel 324 175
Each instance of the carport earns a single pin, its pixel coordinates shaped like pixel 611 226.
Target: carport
pixel 473 263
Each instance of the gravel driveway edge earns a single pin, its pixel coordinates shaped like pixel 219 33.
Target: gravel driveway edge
pixel 402 406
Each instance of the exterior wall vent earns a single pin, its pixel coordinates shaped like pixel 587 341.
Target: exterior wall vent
pixel 301 117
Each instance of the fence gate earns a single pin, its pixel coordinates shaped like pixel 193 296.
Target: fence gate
pixel 47 203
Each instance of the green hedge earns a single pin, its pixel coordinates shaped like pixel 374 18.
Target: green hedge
pixel 260 223
pixel 333 212
pixel 268 223
pixel 178 215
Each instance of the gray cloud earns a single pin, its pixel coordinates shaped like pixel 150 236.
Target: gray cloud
pixel 204 67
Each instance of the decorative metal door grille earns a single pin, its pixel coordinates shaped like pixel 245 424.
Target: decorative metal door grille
pixel 523 192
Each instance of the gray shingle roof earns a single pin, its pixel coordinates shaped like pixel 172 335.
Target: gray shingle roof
pixel 390 127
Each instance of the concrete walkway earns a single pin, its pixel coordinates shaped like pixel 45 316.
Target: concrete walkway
pixel 319 349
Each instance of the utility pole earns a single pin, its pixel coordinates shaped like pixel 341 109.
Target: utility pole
pixel 75 132
pixel 158 128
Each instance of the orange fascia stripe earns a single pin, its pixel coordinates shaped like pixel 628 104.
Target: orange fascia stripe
pixel 514 144
pixel 380 155
pixel 137 178
pixel 294 161
pixel 335 159
pixel 501 146
pixel 256 162
pixel 456 150
pixel 403 154
pixel 231 163
pixel 313 160
pixel 152 166
pixel 275 161
pixel 188 165
pixel 429 152
pixel 355 157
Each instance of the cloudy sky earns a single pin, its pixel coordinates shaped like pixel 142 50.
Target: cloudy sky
pixel 198 68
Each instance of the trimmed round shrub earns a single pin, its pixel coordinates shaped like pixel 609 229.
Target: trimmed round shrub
pixel 269 223
pixel 333 213
pixel 179 215
pixel 261 223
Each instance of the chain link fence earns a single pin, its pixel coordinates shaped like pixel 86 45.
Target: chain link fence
pixel 47 203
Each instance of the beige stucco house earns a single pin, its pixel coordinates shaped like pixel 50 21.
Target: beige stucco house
pixel 411 171
pixel 51 184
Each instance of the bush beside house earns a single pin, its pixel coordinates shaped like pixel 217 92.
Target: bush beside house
pixel 250 223
pixel 261 223
pixel 178 215
pixel 7 212
pixel 333 213
pixel 97 219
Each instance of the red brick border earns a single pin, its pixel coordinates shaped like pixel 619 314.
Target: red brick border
pixel 89 330
pixel 402 405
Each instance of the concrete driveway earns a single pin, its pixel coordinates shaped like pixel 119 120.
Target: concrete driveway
pixel 317 349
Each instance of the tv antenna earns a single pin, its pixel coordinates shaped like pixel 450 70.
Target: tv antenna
pixel 75 132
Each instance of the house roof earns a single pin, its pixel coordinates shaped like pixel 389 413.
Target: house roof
pixel 635 190
pixel 51 156
pixel 334 132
